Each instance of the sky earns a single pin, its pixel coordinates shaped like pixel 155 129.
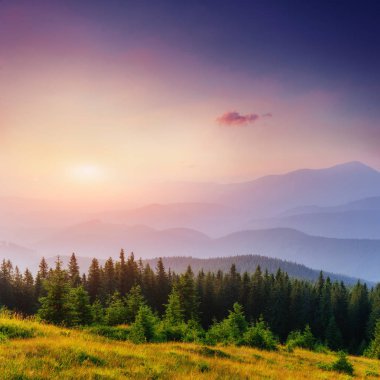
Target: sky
pixel 101 98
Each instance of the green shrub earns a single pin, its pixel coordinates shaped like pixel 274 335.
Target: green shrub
pixel 3 338
pixel 193 332
pixel 303 339
pixel 211 352
pixel 321 348
pixel 218 333
pixel 203 367
pixel 14 330
pixel 171 333
pixel 373 350
pixel 116 311
pixel 342 364
pixel 230 330
pixel 260 336
pixel 145 327
pixel 114 333
pixel 369 373
pixel 84 357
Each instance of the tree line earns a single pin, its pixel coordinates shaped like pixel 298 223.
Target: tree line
pixel 189 306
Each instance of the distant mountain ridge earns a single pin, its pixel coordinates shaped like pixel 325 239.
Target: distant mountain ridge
pixel 353 257
pixel 359 219
pixel 234 206
pixel 324 218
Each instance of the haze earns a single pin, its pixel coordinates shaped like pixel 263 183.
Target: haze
pixel 176 115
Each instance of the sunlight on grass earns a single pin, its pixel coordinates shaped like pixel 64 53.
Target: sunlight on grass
pixel 39 351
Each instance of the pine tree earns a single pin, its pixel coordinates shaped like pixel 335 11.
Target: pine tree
pixel 339 304
pixel 149 286
pixel 131 272
pixel 28 304
pixel 279 305
pixel 162 286
pixel 56 306
pixel 145 326
pixel 188 295
pixel 373 350
pixel 121 273
pixel 255 305
pixel 97 313
pixel 116 311
pixel 80 303
pixel 6 287
pixel 94 280
pixel 109 278
pixel 133 302
pixel 333 335
pixel 18 290
pixel 42 274
pixel 245 291
pixel 208 300
pixel 174 314
pixel 73 270
pixel 358 316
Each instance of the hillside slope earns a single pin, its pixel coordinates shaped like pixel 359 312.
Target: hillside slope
pixel 48 352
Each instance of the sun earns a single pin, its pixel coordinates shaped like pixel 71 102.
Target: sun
pixel 87 173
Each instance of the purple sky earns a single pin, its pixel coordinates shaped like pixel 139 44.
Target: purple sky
pixel 120 93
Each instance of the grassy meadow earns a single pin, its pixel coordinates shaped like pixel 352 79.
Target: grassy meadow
pixel 31 350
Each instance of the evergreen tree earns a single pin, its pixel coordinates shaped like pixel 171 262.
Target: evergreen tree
pixel 162 286
pixel 42 274
pixel 94 280
pixel 255 305
pixel 145 326
pixel 121 273
pixel 80 303
pixel 97 313
pixel 116 312
pixel 134 301
pixel 131 272
pixel 18 290
pixel 333 335
pixel 56 306
pixel 373 350
pixel 359 309
pixel 149 286
pixel 231 329
pixel 73 271
pixel 28 303
pixel 174 314
pixel 188 295
pixel 109 278
pixel 208 300
pixel 6 288
pixel 339 304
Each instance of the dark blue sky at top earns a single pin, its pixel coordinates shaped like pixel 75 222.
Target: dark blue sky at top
pixel 303 44
pixel 331 44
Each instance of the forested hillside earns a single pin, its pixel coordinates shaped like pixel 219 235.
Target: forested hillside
pixel 247 263
pixel 161 305
pixel 243 263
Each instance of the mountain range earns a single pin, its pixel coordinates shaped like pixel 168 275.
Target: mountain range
pixel 326 218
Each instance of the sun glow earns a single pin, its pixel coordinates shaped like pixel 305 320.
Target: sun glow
pixel 87 173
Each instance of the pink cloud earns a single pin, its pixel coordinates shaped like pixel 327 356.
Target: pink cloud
pixel 235 119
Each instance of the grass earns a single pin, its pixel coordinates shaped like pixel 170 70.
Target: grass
pixel 33 350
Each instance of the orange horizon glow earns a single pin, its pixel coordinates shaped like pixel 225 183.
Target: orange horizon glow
pixel 82 118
